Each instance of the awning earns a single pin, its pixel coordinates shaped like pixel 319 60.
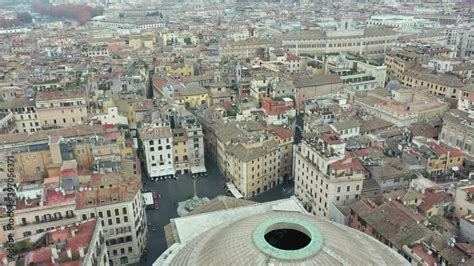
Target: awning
pixel 163 172
pixel 198 169
pixel 234 190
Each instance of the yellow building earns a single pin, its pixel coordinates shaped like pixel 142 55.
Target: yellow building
pixel 180 147
pixel 439 84
pixel 179 38
pixel 284 138
pixel 434 203
pixel 146 40
pixel 441 159
pixel 256 164
pixel 399 62
pixel 135 108
pixel 252 167
pixel 445 162
pixel 180 70
pixel 193 96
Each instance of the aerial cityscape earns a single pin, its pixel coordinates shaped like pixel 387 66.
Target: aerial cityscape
pixel 236 132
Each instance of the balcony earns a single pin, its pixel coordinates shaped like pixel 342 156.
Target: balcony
pixel 54 219
pixel 54 222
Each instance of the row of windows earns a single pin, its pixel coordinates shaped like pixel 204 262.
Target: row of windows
pixel 108 213
pixel 152 142
pixel 119 230
pixel 160 148
pixel 331 45
pixel 119 240
pixel 122 251
pixel 55 122
pixel 29 117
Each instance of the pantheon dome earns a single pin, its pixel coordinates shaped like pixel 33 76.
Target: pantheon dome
pixel 280 238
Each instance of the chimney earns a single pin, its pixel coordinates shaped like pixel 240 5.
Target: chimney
pixel 69 253
pixel 81 252
pixel 73 232
pixel 54 252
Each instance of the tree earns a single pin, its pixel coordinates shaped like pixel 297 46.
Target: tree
pixel 82 13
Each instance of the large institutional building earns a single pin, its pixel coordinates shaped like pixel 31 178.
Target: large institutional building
pixel 274 233
pixel 369 42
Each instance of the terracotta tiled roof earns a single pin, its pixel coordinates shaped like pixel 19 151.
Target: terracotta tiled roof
pixel 283 133
pixel 69 132
pixel 432 199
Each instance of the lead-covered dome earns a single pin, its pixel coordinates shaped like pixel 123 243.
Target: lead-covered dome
pixel 284 238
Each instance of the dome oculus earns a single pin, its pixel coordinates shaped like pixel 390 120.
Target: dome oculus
pixel 288 238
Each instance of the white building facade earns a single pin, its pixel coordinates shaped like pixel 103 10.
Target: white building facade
pixel 157 143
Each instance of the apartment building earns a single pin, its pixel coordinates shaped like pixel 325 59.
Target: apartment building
pixel 260 86
pixel 466 100
pixel 466 46
pixel 7 123
pixel 179 38
pixel 116 199
pixel 356 73
pixel 346 129
pixel 79 243
pixel 252 165
pixel 244 49
pixel 24 111
pixel 66 191
pixel 39 210
pixel 41 154
pixel 95 51
pixel 188 144
pixel 458 131
pixel 256 159
pixel 136 108
pixel 463 200
pixel 61 108
pixel 445 85
pixel 401 107
pixel 309 87
pixel 195 143
pixel 193 96
pixel 324 176
pixel 370 42
pixel 398 62
pixel 440 159
pixel 156 144
pixel 284 138
pixel 220 93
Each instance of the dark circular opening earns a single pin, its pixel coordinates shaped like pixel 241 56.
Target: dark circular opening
pixel 287 239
